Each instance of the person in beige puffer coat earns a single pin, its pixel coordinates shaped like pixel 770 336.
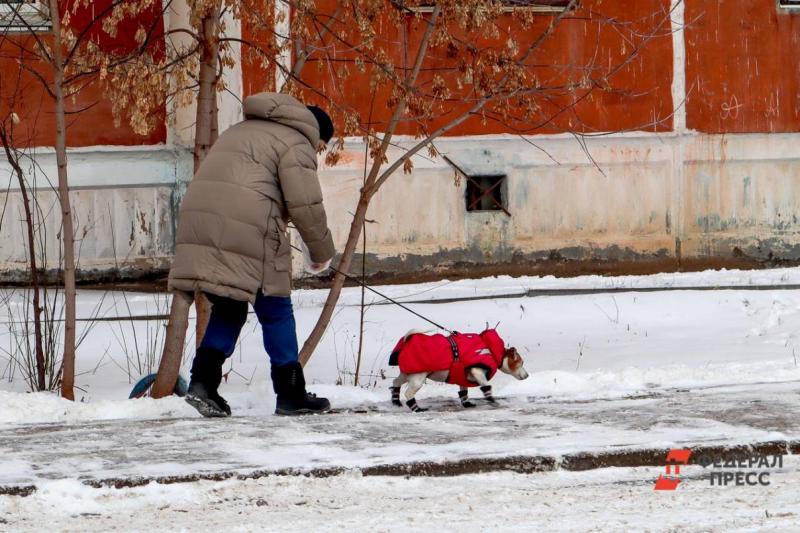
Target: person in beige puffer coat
pixel 232 242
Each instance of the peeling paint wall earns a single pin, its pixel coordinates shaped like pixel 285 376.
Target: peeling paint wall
pixel 722 184
pixel 639 97
pixel 123 206
pixel 742 66
pixel 696 192
pixel 129 228
pixel 742 195
pixel 638 198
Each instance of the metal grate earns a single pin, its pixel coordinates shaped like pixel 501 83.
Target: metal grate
pixel 485 193
pixel 789 4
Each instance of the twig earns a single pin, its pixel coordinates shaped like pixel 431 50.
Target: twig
pixel 581 346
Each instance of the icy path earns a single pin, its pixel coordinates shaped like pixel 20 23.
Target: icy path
pixel 528 427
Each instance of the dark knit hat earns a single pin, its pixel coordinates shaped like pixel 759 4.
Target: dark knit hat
pixel 324 121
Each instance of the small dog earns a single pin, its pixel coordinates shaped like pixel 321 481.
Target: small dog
pixel 464 359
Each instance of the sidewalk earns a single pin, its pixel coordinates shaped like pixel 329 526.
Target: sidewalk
pixel 523 435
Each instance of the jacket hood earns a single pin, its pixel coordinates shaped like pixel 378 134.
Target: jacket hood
pixel 283 109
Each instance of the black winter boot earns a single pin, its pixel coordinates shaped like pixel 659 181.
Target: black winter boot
pixel 206 376
pixel 290 386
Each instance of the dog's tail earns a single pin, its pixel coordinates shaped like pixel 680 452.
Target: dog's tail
pixel 415 332
pixel 394 358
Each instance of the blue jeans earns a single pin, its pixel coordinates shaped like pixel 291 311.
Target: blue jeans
pixel 277 324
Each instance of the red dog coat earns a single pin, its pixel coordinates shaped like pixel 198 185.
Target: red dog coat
pixel 433 353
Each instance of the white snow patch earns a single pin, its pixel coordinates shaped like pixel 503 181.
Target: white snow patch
pixel 579 346
pixel 610 499
pixel 46 407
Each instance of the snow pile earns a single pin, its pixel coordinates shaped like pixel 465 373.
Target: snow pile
pixel 65 498
pixel 45 407
pixel 634 381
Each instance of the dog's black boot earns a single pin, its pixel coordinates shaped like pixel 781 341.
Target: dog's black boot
pixel 206 376
pixel 412 404
pixel 396 396
pixel 487 393
pixel 290 387
pixel 462 395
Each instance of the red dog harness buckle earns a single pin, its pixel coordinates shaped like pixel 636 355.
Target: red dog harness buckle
pixel 453 346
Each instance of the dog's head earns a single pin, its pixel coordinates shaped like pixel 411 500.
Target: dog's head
pixel 513 364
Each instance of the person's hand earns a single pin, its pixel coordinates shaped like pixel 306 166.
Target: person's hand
pixel 318 268
pixel 311 266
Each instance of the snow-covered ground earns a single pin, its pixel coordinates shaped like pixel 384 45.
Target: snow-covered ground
pixel 614 370
pixel 611 499
pixel 544 431
pixel 577 346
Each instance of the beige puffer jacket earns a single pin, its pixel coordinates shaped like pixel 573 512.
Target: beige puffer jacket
pixel 258 176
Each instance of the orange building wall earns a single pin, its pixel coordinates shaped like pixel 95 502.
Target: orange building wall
pixel 256 78
pixel 742 75
pixel 742 67
pixel 90 121
pixel 640 92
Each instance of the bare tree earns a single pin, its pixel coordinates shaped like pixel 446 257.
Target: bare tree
pixel 457 61
pixel 40 364
pixel 207 38
pixel 39 361
pixel 68 233
pixel 52 56
pixel 64 63
pixel 13 156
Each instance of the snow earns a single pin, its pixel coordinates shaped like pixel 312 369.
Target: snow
pixel 621 370
pixel 507 285
pixel 575 345
pixel 519 427
pixel 610 499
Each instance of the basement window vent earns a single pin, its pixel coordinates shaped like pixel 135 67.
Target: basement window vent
pixel 486 193
pixel 509 5
pixel 789 4
pixel 24 15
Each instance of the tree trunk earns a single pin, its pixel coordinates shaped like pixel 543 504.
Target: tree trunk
pixel 363 308
pixel 206 131
pixel 67 231
pixel 175 338
pixel 338 282
pixel 201 304
pixel 207 91
pixel 13 160
pixel 205 135
pixel 372 184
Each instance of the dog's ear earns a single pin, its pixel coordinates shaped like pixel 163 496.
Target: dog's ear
pixel 514 359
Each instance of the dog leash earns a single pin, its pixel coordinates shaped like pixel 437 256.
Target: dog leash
pixel 356 280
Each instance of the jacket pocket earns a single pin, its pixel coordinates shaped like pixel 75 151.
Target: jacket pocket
pixel 283 256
